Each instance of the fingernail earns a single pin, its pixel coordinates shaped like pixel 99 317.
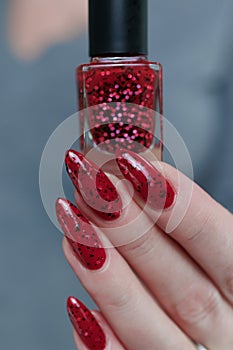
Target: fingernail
pixel 85 325
pixel 147 181
pixel 93 185
pixel 81 235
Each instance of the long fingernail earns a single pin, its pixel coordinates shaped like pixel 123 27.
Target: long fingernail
pixel 81 235
pixel 93 185
pixel 86 325
pixel 147 181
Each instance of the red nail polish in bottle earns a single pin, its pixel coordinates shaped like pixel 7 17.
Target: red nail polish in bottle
pixel 120 91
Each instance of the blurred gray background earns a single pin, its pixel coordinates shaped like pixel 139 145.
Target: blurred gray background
pixel 194 42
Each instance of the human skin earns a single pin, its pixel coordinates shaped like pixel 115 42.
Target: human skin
pixel 171 287
pixel 33 26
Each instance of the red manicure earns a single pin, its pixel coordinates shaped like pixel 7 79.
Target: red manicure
pixel 81 235
pixel 147 181
pixel 93 185
pixel 86 325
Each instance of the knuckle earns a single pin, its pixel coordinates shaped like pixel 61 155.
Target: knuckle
pixel 228 283
pixel 205 221
pixel 142 247
pixel 115 295
pixel 119 301
pixel 198 305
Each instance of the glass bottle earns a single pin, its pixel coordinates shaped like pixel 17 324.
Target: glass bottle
pixel 120 90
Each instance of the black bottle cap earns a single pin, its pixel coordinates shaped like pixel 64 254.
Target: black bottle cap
pixel 118 27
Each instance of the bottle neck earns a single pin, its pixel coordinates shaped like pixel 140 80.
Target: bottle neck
pixel 118 58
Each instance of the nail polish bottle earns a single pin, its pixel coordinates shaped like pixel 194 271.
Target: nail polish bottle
pixel 120 90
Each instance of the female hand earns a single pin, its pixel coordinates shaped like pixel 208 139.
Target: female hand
pixel 154 290
pixel 33 26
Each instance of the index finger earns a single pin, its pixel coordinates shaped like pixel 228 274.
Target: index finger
pixel 201 225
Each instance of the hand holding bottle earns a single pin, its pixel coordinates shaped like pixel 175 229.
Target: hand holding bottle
pixel 157 285
pixel 161 291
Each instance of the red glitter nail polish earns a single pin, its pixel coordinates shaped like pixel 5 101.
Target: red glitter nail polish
pixel 81 235
pixel 147 181
pixel 86 325
pixel 120 87
pixel 93 185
